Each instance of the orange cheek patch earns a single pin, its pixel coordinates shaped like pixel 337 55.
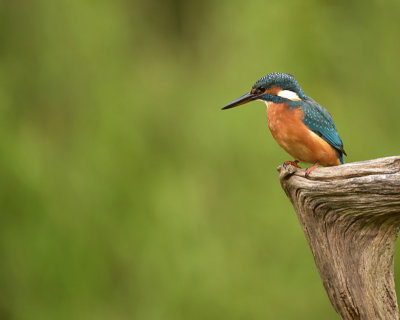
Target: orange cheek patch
pixel 274 90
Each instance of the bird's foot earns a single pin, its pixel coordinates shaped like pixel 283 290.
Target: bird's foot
pixel 308 170
pixel 293 163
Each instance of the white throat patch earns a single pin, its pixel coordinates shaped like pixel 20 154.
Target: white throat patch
pixel 266 102
pixel 288 94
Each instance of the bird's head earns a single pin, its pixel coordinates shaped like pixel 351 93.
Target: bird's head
pixel 274 87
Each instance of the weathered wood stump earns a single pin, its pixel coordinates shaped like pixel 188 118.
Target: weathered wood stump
pixel 350 215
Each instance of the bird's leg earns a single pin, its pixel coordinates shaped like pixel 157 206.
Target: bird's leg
pixel 308 170
pixel 293 163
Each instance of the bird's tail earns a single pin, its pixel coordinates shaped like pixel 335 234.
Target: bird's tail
pixel 340 154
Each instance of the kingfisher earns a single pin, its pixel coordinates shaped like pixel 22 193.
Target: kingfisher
pixel 301 126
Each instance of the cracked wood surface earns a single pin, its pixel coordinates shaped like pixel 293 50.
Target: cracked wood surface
pixel 350 215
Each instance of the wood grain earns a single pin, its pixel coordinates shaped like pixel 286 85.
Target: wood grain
pixel 350 215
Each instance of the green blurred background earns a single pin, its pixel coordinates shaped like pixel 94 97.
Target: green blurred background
pixel 128 194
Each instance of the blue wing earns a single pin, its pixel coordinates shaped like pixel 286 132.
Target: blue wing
pixel 319 120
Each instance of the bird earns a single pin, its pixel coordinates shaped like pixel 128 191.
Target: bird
pixel 301 126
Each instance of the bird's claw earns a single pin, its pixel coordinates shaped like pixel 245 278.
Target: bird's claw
pixel 291 163
pixel 308 170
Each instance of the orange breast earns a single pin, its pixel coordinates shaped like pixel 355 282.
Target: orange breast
pixel 296 138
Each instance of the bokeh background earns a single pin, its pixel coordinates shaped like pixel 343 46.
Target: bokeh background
pixel 127 194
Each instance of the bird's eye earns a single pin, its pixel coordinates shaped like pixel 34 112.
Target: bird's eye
pixel 260 90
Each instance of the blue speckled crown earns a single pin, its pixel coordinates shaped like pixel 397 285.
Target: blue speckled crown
pixel 283 80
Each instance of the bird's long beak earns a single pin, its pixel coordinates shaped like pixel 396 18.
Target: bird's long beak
pixel 242 100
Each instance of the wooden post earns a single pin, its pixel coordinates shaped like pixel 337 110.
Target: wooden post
pixel 350 215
